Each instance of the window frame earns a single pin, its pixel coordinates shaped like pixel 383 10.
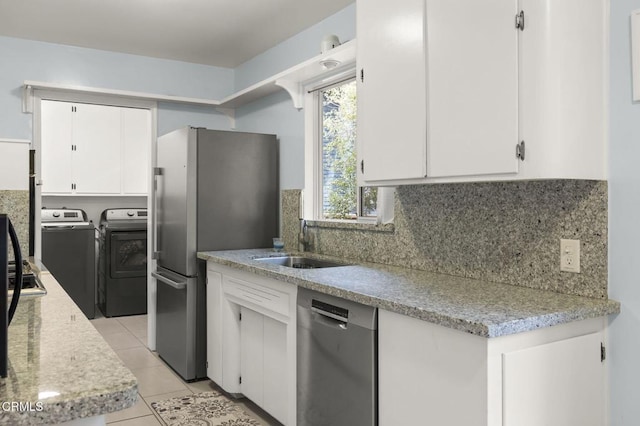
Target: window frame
pixel 311 202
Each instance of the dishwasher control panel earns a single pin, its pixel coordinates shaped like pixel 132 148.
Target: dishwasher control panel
pixel 331 309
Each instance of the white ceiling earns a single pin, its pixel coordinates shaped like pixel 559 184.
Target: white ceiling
pixel 223 33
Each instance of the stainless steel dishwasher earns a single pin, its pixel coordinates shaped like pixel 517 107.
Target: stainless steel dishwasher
pixel 337 361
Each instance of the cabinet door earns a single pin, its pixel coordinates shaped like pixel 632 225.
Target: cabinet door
pixel 437 89
pixel 472 87
pixel 564 82
pixel 428 372
pixel 136 145
pixel 391 89
pixel 55 150
pixel 276 395
pixel 252 355
pixel 97 158
pixel 14 173
pixel 560 383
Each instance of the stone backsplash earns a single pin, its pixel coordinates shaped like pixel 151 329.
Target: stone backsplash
pixel 15 204
pixel 506 232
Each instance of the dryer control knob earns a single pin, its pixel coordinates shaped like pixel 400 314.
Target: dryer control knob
pixel 56 214
pixel 131 213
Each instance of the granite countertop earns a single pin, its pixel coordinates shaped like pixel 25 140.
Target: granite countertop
pixel 60 367
pixel 473 306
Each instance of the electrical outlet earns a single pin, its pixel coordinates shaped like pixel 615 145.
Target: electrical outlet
pixel 570 255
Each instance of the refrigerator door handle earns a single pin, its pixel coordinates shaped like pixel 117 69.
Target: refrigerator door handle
pixel 155 253
pixel 177 285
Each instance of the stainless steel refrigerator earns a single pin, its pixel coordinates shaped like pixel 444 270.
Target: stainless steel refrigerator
pixel 215 190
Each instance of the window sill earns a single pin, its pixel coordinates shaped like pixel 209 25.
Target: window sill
pixel 352 225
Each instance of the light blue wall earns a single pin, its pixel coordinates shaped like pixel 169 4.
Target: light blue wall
pixel 30 60
pixel 296 49
pixel 174 116
pixel 624 223
pixel 275 113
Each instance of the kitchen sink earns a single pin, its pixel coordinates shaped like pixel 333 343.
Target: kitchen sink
pixel 300 262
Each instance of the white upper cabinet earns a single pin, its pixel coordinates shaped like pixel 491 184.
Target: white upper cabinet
pixel 472 87
pixel 391 89
pixel 563 89
pixel 56 128
pixel 136 138
pixel 94 149
pixel 448 88
pixel 97 149
pixel 14 174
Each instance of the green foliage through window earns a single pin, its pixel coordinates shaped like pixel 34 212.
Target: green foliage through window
pixel 340 192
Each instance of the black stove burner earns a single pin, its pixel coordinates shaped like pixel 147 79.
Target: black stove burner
pixel 28 281
pixel 26 267
pixel 28 278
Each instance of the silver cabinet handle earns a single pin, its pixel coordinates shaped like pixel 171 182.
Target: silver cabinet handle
pixel 177 285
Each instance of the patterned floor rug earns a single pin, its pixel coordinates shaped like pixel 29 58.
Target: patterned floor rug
pixel 203 409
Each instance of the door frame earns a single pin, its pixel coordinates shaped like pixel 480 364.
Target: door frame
pixel 113 100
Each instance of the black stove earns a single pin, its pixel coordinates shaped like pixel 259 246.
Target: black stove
pixel 26 273
pixel 28 281
pixel 31 285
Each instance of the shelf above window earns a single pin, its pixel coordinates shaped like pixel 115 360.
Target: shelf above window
pixel 293 79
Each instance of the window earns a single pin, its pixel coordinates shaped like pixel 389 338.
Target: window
pixel 339 194
pixel 331 162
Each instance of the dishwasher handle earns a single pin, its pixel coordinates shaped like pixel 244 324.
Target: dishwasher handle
pixel 329 319
pixel 177 285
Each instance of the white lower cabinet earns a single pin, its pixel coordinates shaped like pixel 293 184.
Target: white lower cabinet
pixel 214 325
pixel 263 355
pixel 275 369
pixel 551 376
pixel 427 374
pixel 252 355
pixel 559 383
pixel 251 337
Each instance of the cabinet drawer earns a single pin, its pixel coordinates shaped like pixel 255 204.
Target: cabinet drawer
pixel 265 297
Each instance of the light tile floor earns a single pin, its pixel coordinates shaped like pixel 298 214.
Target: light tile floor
pixel 156 381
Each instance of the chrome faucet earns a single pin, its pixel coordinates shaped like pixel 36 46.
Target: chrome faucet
pixel 304 239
